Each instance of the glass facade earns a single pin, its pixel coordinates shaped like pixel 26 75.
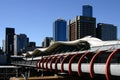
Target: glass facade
pixel 106 31
pixel 59 30
pixel 87 10
pixel 47 41
pixel 9 40
pixel 20 43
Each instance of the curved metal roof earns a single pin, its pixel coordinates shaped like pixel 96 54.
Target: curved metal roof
pixel 69 46
pixel 58 47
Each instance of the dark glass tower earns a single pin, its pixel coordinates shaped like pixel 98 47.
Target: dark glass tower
pixel 106 31
pixel 47 41
pixel 20 43
pixel 59 30
pixel 9 39
pixel 87 10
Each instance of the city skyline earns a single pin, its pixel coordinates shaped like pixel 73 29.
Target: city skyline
pixel 35 18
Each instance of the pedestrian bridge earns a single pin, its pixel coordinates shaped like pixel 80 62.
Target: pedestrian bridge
pixel 98 60
pixel 105 62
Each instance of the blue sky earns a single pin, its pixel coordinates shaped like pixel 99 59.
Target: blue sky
pixel 35 17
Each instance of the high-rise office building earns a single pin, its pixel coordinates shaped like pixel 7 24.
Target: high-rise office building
pixel 106 31
pixel 47 41
pixel 20 44
pixel 9 40
pixel 32 44
pixel 59 30
pixel 80 27
pixel 87 10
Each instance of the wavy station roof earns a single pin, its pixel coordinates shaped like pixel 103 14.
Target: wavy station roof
pixel 69 46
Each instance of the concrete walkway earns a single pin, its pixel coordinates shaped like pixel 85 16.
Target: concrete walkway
pixel 39 78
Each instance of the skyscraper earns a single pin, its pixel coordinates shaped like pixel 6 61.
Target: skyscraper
pixel 81 26
pixel 32 44
pixel 106 31
pixel 59 30
pixel 9 40
pixel 87 10
pixel 47 41
pixel 20 43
